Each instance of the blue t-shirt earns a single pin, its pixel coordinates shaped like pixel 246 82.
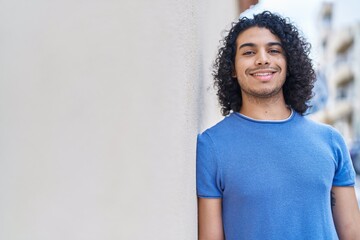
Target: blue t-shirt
pixel 274 177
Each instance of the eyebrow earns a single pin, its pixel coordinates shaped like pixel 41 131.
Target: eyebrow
pixel 254 45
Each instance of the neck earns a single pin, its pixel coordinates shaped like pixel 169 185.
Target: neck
pixel 264 108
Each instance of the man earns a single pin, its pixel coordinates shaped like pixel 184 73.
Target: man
pixel 266 171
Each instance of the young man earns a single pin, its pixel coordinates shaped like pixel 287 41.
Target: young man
pixel 266 171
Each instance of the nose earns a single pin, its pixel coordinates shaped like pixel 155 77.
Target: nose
pixel 262 58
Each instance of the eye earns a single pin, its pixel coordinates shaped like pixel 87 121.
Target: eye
pixel 247 53
pixel 274 51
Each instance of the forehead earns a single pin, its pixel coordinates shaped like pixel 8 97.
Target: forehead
pixel 257 36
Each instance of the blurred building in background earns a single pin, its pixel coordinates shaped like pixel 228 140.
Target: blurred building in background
pixel 340 67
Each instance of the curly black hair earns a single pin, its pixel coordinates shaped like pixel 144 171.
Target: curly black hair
pixel 300 76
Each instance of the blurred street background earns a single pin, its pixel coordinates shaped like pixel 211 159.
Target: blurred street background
pixel 357 187
pixel 101 102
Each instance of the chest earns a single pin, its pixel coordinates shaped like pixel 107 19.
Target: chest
pixel 251 168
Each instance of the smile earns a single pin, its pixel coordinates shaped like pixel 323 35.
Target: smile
pixel 263 74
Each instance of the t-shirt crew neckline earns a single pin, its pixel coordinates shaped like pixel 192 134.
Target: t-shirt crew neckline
pixel 266 121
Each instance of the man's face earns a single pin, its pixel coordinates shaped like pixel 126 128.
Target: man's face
pixel 260 63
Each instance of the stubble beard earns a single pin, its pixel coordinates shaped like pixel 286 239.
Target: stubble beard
pixel 262 95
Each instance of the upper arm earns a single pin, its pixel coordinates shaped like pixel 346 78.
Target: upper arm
pixel 210 219
pixel 345 212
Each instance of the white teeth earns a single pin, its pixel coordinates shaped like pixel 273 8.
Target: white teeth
pixel 262 74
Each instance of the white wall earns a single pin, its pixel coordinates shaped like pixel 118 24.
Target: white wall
pixel 100 104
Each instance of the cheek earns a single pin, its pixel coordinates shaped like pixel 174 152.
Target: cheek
pixel 285 69
pixel 241 66
pixel 283 62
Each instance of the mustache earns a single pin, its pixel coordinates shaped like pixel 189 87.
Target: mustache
pixel 273 69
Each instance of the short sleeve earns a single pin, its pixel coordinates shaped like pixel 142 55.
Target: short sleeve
pixel 344 172
pixel 207 169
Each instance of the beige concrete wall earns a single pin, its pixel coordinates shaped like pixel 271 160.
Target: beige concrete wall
pixel 100 104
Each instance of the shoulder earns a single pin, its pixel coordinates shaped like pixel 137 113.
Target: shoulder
pixel 223 127
pixel 325 131
pixel 319 127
